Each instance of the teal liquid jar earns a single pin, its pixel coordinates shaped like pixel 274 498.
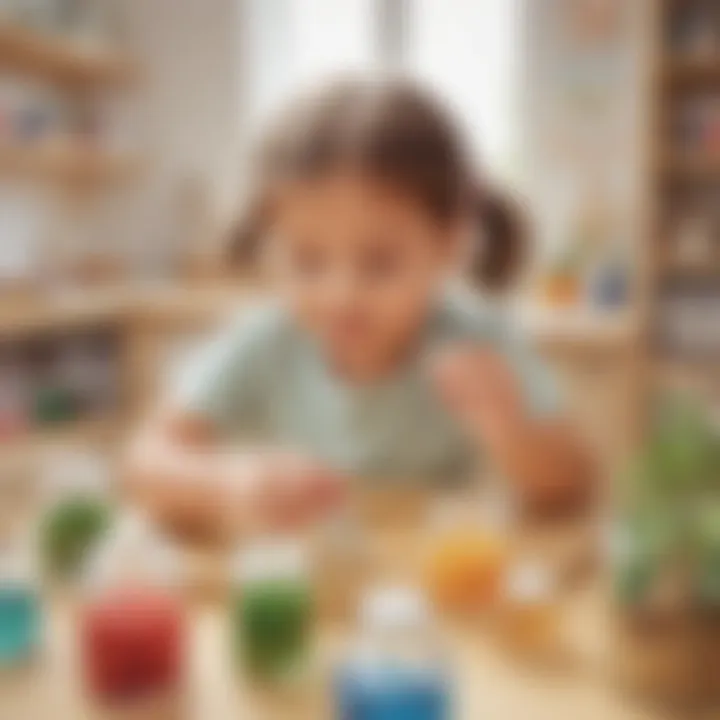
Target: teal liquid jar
pixel 396 671
pixel 20 614
pixel 272 612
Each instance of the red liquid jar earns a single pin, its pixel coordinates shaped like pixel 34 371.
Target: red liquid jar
pixel 133 644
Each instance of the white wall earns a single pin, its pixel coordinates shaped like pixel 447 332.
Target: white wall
pixel 188 109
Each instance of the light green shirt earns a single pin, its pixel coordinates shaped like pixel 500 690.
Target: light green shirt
pixel 264 380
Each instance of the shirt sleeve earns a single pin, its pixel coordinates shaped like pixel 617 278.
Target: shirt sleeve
pixel 223 380
pixel 491 324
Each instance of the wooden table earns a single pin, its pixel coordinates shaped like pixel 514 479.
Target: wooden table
pixel 492 685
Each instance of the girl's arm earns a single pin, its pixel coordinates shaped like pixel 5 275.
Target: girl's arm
pixel 179 471
pixel 542 456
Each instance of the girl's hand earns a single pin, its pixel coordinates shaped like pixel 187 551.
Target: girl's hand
pixel 280 490
pixel 480 389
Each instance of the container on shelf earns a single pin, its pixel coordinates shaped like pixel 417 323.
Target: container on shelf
pixel 78 511
pixel 272 611
pixel 14 398
pixel 133 625
pixel 397 667
pixel 87 368
pixel 20 608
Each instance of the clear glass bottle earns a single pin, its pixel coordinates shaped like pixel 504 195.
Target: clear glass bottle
pixel 272 610
pixel 398 668
pixel 133 627
pixel 20 610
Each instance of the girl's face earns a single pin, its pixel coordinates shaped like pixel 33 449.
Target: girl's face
pixel 359 264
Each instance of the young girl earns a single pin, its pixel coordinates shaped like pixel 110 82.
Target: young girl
pixel 366 367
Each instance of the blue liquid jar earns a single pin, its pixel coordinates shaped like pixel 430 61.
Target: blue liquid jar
pixel 397 671
pixel 20 617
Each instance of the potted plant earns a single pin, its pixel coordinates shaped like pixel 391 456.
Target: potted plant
pixel 666 565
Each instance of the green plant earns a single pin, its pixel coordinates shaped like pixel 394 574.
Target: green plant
pixel 670 508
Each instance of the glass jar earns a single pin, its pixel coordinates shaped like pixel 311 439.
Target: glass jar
pixel 397 669
pixel 468 551
pixel 133 628
pixel 272 610
pixel 77 512
pixel 529 609
pixel 20 615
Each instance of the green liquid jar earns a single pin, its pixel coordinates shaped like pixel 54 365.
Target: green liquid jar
pixel 272 614
pixel 69 531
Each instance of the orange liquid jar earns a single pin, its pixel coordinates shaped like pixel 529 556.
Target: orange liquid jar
pixel 465 569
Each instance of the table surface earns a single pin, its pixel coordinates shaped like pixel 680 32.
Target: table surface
pixel 491 683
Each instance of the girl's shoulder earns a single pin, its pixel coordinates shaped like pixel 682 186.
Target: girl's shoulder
pixel 261 328
pixel 464 315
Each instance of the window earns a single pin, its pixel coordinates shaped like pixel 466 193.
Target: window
pixel 464 49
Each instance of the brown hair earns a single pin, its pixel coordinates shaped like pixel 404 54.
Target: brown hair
pixel 395 132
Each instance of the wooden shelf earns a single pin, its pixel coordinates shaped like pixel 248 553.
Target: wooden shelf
pixel 73 434
pixel 580 329
pixel 691 166
pixel 61 59
pixel 165 304
pixel 66 163
pixel 689 70
pixel 28 316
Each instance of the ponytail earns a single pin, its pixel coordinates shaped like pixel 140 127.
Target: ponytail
pixel 500 244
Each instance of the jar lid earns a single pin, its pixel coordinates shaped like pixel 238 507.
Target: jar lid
pixel 394 608
pixel 273 559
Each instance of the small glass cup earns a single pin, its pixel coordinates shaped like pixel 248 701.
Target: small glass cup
pixel 272 610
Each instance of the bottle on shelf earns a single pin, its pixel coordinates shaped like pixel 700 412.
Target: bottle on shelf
pixel 272 611
pixel 397 668
pixel 133 625
pixel 14 398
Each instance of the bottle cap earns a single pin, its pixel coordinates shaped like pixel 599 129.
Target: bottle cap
pixel 394 608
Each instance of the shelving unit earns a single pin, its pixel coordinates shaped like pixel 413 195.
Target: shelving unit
pixel 683 248
pixel 78 169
